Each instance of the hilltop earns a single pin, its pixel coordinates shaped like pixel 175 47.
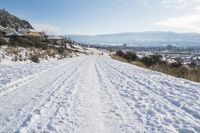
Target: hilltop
pixel 11 21
pixel 20 42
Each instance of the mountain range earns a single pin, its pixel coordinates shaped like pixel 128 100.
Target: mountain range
pixel 141 39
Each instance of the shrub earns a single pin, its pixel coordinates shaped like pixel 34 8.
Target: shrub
pixel 146 60
pixel 26 42
pixel 45 47
pixel 130 56
pixel 183 72
pixel 15 58
pixel 120 53
pixel 2 41
pixel 152 60
pixel 35 58
pixel 139 64
pixel 116 57
pixel 156 59
pixel 192 64
pixel 155 62
pixel 12 50
pixel 61 50
pixel 176 64
pixel 26 54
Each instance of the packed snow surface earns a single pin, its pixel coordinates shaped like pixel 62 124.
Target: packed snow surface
pixel 95 94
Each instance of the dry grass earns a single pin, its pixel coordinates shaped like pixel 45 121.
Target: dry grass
pixel 12 50
pixel 139 64
pixel 192 74
pixel 116 57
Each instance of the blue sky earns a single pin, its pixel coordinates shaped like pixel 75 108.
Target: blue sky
pixel 107 16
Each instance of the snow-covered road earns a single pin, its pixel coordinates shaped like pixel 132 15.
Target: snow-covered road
pixel 95 94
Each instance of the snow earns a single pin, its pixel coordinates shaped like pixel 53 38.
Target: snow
pixel 95 94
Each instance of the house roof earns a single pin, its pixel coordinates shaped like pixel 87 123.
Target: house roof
pixel 14 34
pixel 24 30
pixel 8 30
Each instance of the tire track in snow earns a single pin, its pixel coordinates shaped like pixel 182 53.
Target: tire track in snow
pixel 160 105
pixel 13 86
pixel 96 94
pixel 39 94
pixel 171 93
pixel 127 123
pixel 51 112
pixel 85 110
pixel 16 85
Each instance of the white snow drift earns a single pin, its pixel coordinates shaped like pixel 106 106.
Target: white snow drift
pixel 95 94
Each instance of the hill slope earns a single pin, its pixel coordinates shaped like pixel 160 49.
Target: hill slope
pixel 88 94
pixel 11 21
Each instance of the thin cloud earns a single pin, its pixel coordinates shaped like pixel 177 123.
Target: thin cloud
pixel 189 23
pixel 50 29
pixel 180 4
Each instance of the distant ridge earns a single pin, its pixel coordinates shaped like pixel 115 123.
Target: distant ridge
pixel 144 39
pixel 11 21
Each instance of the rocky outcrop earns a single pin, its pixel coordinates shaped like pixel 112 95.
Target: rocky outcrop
pixel 11 21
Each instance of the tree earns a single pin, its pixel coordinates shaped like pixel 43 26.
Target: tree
pixel 156 59
pixel 130 56
pixel 120 53
pixel 146 60
pixel 176 64
pixel 152 60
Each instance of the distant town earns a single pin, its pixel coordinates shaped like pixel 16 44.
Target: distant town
pixel 169 53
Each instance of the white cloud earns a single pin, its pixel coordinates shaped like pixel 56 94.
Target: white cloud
pixel 50 29
pixel 190 23
pixel 180 4
pixel 197 8
pixel 124 3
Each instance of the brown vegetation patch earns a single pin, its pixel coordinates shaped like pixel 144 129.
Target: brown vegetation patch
pixel 154 62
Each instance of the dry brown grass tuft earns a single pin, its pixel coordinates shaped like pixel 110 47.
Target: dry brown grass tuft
pixel 139 64
pixel 12 50
pixel 116 57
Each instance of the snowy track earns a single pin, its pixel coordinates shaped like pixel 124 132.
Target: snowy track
pixel 95 94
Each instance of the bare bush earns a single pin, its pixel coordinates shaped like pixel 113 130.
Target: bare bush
pixel 35 58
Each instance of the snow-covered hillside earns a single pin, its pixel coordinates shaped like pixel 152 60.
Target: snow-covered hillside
pixel 10 54
pixel 95 94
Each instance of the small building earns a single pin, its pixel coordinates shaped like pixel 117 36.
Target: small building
pixel 56 39
pixel 8 31
pixel 34 34
pixel 31 33
pixel 14 34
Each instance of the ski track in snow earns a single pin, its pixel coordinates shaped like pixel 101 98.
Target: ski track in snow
pixel 95 94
